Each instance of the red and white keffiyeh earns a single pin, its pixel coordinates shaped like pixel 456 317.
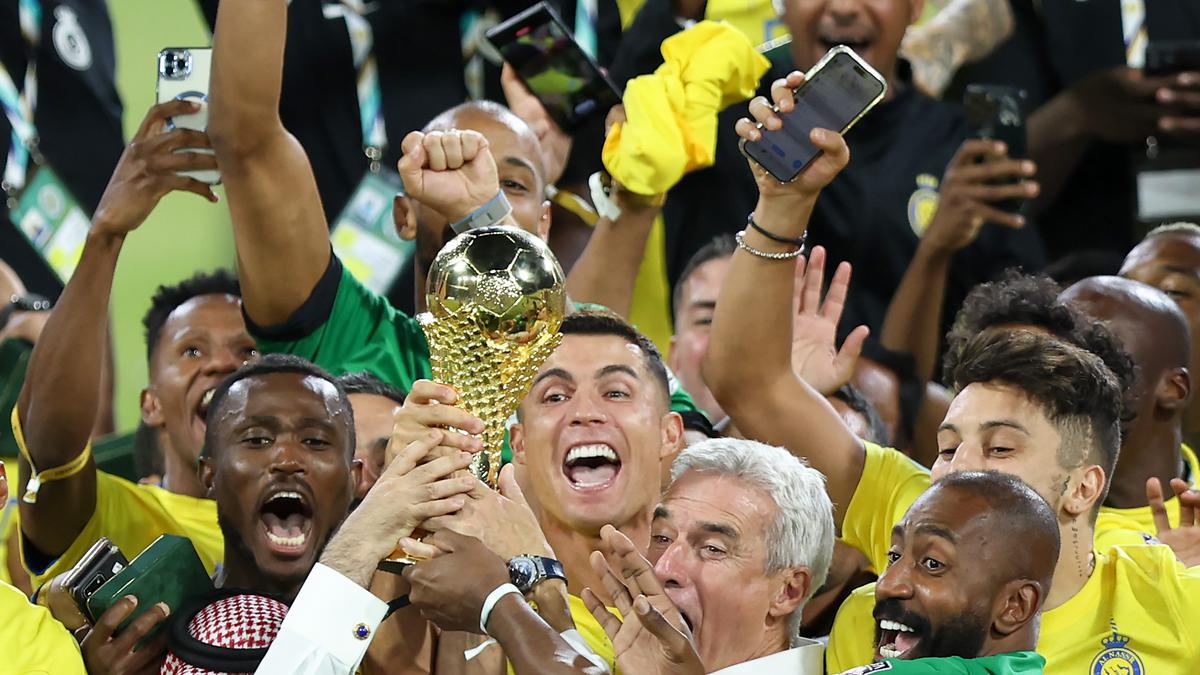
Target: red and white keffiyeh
pixel 234 622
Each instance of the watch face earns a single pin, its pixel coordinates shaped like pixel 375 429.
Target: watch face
pixel 522 572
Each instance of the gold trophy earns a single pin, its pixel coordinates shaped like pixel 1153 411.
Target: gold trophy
pixel 496 298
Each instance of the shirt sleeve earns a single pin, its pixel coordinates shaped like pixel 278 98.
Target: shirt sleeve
pixel 890 483
pixel 344 327
pixel 852 639
pixel 328 628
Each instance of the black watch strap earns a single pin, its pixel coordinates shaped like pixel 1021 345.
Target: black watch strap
pixel 527 571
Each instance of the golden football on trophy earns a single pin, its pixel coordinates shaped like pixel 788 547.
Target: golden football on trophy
pixel 496 298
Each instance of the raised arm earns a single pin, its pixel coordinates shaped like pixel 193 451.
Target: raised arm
pixel 749 362
pixel 979 176
pixel 278 224
pixel 61 395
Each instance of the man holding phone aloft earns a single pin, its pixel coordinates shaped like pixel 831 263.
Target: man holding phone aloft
pixel 889 194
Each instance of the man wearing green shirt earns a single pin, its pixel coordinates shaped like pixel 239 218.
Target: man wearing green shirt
pixel 299 299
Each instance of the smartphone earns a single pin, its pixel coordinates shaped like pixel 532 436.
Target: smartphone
pixel 168 571
pixel 836 93
pixel 997 113
pixel 542 52
pixel 1172 56
pixel 183 73
pixel 102 562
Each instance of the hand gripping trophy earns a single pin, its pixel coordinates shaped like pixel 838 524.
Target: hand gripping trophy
pixel 496 297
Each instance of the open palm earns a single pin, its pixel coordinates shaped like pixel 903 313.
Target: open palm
pixel 1183 539
pixel 650 636
pixel 815 356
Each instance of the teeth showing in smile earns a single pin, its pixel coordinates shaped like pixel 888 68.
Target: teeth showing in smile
pixel 903 639
pixel 590 451
pixel 591 466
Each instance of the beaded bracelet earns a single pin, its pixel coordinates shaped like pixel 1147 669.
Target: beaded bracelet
pixel 788 255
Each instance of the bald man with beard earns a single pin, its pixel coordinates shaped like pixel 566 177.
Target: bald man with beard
pixel 1154 332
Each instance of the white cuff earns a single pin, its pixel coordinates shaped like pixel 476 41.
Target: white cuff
pixel 332 617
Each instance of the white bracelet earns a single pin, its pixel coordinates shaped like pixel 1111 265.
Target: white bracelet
pixel 490 603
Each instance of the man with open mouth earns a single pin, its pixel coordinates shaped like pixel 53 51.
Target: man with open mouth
pixel 965 584
pixel 591 435
pixel 195 337
pixel 1027 403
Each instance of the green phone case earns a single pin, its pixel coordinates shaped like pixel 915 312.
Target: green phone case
pixel 168 571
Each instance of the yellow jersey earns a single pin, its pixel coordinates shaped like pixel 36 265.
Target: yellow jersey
pixel 890 483
pixel 1136 615
pixel 31 641
pixel 592 632
pixel 132 516
pixel 1129 527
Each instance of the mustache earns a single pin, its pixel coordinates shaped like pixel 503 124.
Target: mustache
pixel 892 609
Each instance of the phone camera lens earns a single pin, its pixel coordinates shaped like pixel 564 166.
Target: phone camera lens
pixel 175 64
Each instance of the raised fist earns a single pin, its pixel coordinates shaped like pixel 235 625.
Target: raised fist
pixel 451 172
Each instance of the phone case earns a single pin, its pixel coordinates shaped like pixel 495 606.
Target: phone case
pixel 190 82
pixel 102 562
pixel 763 155
pixel 168 571
pixel 600 91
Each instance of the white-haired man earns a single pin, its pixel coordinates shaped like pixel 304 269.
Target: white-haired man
pixel 740 541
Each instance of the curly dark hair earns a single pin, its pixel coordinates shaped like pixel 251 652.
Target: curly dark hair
pixel 1032 300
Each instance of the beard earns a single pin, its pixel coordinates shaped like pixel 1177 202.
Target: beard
pixel 962 635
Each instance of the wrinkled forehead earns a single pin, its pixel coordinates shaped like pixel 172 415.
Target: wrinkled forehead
pixel 708 500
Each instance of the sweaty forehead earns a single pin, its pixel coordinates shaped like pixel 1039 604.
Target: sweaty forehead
pixel 967 516
pixel 283 395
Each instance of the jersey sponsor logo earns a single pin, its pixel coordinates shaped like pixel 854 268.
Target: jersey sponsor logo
pixel 1117 658
pixel 922 203
pixel 70 41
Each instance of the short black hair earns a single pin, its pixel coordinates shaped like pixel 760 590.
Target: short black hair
pixel 851 396
pixel 363 382
pixel 1032 300
pixel 721 246
pixel 167 298
pixel 598 322
pixel 1073 388
pixel 1027 519
pixel 267 365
